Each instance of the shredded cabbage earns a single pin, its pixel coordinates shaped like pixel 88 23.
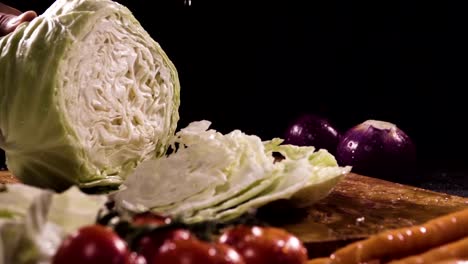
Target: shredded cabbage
pixel 211 176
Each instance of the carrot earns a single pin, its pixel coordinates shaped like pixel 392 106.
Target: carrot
pixel 452 261
pixel 405 241
pixel 454 250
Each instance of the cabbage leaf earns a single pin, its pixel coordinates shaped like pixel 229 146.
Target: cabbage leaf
pixel 35 221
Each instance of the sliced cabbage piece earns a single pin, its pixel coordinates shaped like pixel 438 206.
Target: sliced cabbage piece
pixel 301 176
pixel 35 221
pixel 303 180
pixel 212 176
pixel 260 188
pixel 86 94
pixel 16 199
pixel 30 239
pixel 207 168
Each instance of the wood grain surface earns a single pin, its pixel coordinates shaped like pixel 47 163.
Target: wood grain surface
pixel 6 177
pixel 358 207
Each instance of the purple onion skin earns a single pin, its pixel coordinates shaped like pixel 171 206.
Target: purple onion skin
pixel 312 130
pixel 378 149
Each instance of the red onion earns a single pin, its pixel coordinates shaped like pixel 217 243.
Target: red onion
pixel 312 130
pixel 378 149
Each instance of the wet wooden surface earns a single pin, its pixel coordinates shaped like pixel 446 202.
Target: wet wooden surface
pixel 6 177
pixel 358 207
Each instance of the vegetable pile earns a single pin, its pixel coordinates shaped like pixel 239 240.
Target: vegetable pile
pixel 89 103
pixel 41 226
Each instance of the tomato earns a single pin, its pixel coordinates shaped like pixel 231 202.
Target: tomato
pixel 149 245
pixel 149 218
pixel 135 258
pixel 194 251
pixel 94 244
pixel 265 245
pixel 224 253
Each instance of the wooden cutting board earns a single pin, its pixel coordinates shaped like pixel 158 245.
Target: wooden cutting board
pixel 358 207
pixel 6 177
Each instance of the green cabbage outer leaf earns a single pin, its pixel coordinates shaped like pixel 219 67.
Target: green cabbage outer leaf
pixel 85 95
pixel 212 176
pixel 35 221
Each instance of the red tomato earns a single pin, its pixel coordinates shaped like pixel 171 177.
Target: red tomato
pixel 265 245
pixel 149 245
pixel 135 258
pixel 194 251
pixel 94 244
pixel 224 253
pixel 149 218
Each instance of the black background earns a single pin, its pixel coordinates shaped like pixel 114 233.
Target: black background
pixel 255 65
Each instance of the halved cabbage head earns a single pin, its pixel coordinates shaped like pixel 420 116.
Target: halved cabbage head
pixel 85 95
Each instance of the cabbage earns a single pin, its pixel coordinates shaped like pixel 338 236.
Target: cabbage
pixel 206 168
pixel 214 176
pixel 85 95
pixel 34 221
